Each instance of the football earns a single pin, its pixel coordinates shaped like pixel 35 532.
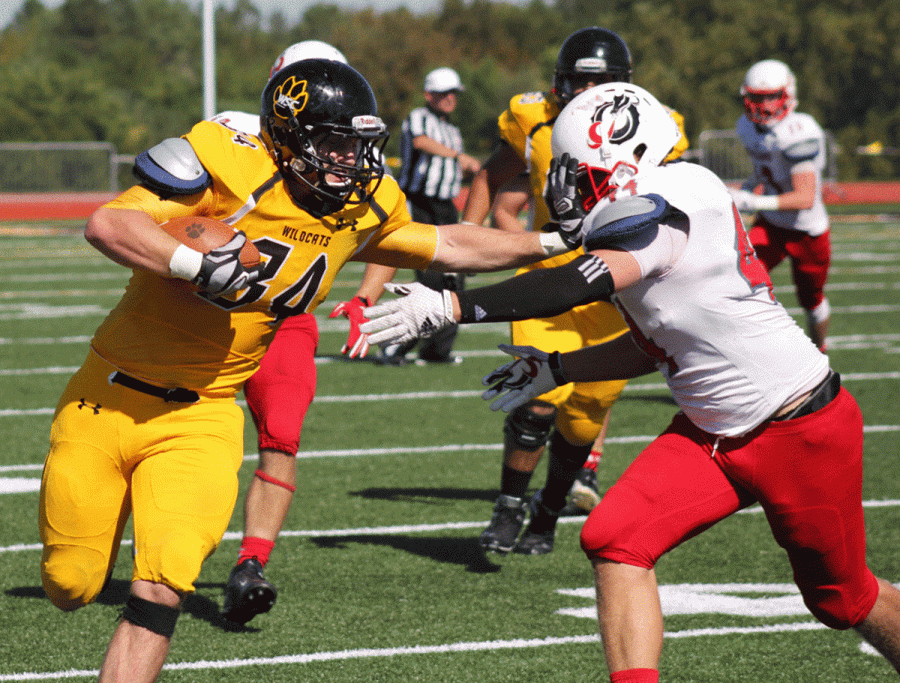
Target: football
pixel 204 234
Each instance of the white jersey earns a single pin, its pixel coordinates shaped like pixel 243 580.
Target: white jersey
pixel 704 309
pixel 794 144
pixel 239 121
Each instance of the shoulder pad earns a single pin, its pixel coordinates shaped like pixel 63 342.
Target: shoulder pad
pixel 172 167
pixel 624 218
pixel 802 151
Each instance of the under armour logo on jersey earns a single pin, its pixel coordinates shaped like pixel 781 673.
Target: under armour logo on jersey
pixel 593 268
pixel 84 404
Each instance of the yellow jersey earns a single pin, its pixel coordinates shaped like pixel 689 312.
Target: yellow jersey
pixel 165 331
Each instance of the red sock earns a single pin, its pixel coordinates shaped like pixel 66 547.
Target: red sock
pixel 635 676
pixel 260 548
pixel 593 460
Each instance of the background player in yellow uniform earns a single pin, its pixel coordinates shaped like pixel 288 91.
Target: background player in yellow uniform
pixel 148 425
pixel 579 412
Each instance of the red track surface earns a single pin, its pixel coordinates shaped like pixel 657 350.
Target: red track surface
pixel 34 207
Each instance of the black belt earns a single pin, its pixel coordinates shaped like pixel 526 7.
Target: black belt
pixel 176 395
pixel 820 397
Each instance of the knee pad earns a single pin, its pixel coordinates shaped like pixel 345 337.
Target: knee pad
pixel 150 615
pixel 527 429
pixel 72 577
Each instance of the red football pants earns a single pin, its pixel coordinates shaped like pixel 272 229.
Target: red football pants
pixel 279 393
pixel 806 474
pixel 810 258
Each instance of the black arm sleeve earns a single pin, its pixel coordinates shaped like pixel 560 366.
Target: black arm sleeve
pixel 540 293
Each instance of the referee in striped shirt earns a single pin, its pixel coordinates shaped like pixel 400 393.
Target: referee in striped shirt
pixel 432 168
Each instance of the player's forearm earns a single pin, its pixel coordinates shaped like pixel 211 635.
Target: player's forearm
pixel 476 249
pixel 619 358
pixel 131 238
pixel 372 285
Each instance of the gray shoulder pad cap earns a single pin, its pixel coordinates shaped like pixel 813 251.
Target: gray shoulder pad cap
pixel 172 167
pixel 802 151
pixel 625 218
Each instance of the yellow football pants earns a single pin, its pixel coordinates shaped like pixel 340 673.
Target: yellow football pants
pixel 114 451
pixel 581 406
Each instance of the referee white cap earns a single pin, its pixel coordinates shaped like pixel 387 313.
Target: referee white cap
pixel 444 79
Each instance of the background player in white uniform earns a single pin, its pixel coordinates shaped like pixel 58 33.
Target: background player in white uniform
pixel 789 154
pixel 763 418
pixel 278 396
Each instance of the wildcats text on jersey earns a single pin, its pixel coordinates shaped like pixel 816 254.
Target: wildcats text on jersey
pixel 304 237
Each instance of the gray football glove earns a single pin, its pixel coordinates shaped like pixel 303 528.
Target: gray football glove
pixel 534 372
pixel 419 312
pixel 561 197
pixel 221 271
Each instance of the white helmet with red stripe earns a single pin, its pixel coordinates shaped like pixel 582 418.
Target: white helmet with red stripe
pixel 769 91
pixel 307 49
pixel 617 131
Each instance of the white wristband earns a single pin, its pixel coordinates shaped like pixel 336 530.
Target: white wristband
pixel 185 262
pixel 448 305
pixel 766 202
pixel 553 244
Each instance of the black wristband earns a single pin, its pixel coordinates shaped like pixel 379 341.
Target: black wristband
pixel 554 362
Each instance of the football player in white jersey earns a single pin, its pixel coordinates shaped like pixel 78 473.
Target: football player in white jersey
pixel 763 418
pixel 278 396
pixel 788 153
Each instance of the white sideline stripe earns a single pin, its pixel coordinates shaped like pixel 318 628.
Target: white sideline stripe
pixel 407 528
pixel 343 655
pixel 835 341
pixel 451 448
pixel 30 311
pixel 404 396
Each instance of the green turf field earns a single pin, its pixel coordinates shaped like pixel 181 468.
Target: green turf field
pixel 380 574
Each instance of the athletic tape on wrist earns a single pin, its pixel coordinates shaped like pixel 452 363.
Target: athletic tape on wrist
pixel 553 243
pixel 185 262
pixel 766 202
pixel 448 305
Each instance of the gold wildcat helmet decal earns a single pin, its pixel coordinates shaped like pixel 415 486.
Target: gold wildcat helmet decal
pixel 290 98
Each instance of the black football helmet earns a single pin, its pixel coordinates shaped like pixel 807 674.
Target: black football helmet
pixel 320 123
pixel 590 54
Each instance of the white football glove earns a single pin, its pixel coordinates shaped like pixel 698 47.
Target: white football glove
pixel 534 372
pixel 419 312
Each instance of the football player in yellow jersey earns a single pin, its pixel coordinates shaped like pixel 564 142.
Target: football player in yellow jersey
pixel 579 412
pixel 148 425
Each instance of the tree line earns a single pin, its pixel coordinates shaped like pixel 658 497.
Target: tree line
pixel 129 72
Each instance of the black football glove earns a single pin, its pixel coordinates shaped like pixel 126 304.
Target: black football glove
pixel 561 197
pixel 221 271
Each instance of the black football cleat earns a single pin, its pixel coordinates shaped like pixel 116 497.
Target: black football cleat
pixel 506 523
pixel 539 535
pixel 247 592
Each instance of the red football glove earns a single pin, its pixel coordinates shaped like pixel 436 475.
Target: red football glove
pixel 357 345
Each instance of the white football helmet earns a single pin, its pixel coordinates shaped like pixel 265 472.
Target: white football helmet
pixel 617 131
pixel 307 49
pixel 769 91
